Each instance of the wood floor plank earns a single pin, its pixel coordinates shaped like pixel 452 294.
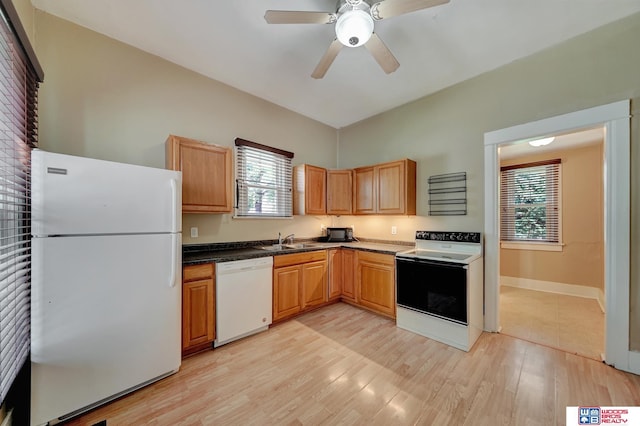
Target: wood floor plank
pixel 570 323
pixel 344 365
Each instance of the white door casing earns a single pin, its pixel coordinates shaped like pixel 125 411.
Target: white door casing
pixel 615 119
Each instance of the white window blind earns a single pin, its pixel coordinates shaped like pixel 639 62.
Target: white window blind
pixel 19 79
pixel 263 180
pixel 529 202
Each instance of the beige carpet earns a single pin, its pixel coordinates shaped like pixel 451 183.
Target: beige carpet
pixel 569 323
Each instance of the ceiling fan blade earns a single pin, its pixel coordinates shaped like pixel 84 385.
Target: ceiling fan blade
pixel 327 59
pixel 294 17
pixel 388 8
pixel 382 54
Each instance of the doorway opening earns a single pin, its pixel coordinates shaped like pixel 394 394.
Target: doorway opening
pixel 552 242
pixel 614 118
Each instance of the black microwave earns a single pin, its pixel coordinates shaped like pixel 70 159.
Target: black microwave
pixel 339 234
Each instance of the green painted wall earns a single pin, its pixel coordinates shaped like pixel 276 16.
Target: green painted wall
pixel 444 132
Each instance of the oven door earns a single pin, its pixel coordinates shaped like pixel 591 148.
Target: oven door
pixel 432 287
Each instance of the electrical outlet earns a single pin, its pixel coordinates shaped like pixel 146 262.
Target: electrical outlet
pixel 394 230
pixel 194 232
pixel 353 227
pixel 323 229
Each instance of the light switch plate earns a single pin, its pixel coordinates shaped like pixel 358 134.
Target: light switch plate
pixel 394 230
pixel 194 232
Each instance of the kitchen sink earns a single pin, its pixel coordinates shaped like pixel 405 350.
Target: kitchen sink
pixel 273 247
pixel 303 245
pixel 278 247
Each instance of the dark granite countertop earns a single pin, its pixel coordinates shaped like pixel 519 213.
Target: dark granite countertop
pixel 193 254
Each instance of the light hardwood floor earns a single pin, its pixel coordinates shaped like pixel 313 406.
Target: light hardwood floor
pixel 344 365
pixel 569 323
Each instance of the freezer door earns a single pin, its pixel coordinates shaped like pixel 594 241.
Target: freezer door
pixel 105 317
pixel 82 196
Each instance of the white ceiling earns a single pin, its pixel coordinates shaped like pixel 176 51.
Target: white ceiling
pixel 565 141
pixel 230 41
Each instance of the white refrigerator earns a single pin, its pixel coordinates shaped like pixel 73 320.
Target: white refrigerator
pixel 105 285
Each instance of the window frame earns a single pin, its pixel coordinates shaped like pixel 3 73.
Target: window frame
pixel 533 244
pixel 282 185
pixel 21 76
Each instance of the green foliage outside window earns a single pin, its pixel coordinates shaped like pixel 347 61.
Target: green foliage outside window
pixel 530 197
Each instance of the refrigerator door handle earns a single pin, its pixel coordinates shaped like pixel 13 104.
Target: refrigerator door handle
pixel 174 203
pixel 174 247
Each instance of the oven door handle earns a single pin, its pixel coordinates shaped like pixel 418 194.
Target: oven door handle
pixel 433 262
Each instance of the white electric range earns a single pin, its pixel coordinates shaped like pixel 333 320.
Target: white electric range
pixel 440 287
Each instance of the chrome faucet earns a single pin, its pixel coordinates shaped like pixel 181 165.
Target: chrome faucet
pixel 288 237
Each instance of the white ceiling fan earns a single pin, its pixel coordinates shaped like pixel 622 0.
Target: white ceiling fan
pixel 354 25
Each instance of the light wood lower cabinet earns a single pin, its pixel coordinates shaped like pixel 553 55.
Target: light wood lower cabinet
pixel 198 307
pixel 314 284
pixel 349 260
pixel 286 291
pixel 302 281
pixel 342 277
pixel 299 282
pixel 335 273
pixel 375 283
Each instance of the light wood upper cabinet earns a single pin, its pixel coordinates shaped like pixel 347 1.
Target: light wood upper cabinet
pixel 207 174
pixel 376 282
pixel 388 188
pixel 198 307
pixel 397 187
pixel 364 190
pixel 309 190
pixel 339 192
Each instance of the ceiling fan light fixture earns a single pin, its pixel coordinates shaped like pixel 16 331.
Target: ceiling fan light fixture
pixel 541 142
pixel 354 28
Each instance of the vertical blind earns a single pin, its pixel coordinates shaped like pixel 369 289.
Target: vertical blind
pixel 529 202
pixel 19 80
pixel 263 181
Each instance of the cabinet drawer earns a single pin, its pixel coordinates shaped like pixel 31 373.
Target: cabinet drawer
pixel 197 272
pixel 298 258
pixel 386 259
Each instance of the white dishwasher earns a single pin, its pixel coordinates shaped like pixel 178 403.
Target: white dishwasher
pixel 243 298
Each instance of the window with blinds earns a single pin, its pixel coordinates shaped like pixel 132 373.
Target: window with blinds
pixel 263 181
pixel 530 201
pixel 20 75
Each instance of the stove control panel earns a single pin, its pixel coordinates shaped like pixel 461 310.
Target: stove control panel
pixel 463 237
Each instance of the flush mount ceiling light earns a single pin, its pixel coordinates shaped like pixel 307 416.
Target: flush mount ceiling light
pixel 542 142
pixel 354 28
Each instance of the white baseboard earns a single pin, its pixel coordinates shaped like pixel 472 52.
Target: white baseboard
pixel 634 362
pixel 554 287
